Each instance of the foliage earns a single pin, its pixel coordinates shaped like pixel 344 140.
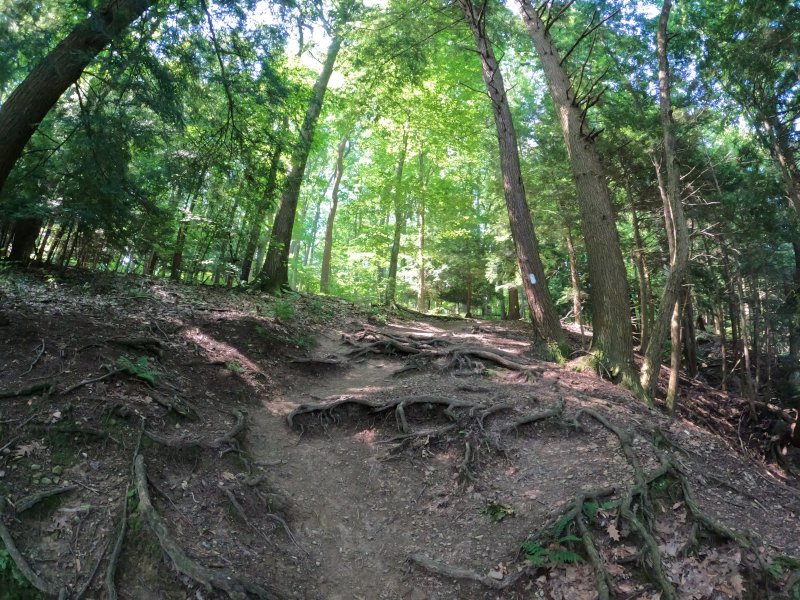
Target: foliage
pixel 140 369
pixel 498 511
pixel 12 582
pixel 557 553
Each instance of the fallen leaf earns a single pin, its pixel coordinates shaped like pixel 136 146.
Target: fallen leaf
pixel 613 532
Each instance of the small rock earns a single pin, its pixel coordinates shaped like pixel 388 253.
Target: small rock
pixel 57 470
pixel 495 574
pixel 35 467
pixel 45 481
pixel 56 479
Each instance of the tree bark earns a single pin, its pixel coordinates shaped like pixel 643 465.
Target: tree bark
pixel 30 102
pixel 25 233
pixel 275 272
pixel 611 320
pixel 421 292
pixel 399 222
pixel 543 314
pixel 325 275
pixel 642 275
pixel 513 304
pixel 261 213
pixel 677 230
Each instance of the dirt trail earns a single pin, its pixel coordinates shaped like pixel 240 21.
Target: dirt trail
pixel 408 441
pixel 361 512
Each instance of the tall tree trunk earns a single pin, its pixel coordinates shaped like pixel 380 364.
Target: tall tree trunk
pixel 399 222
pixel 689 335
pixel 501 297
pixel 642 275
pixel 45 238
pixel 54 246
pixel 25 233
pixel 275 272
pixel 611 319
pixel 543 313
pixel 421 292
pixel 261 212
pixel 677 231
pixel 325 275
pixel 32 99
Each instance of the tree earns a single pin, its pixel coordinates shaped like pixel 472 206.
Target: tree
pixel 607 276
pixel 670 308
pixel 26 107
pixel 543 314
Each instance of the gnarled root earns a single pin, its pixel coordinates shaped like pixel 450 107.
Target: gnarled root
pixel 440 568
pixel 236 587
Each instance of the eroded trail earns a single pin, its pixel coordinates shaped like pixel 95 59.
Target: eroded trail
pixel 369 495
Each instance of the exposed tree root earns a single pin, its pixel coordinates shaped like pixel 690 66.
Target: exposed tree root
pixel 529 418
pixel 116 551
pixel 440 568
pixel 226 441
pixel 177 405
pixel 319 364
pixel 47 387
pixel 325 411
pixel 97 379
pixel 143 344
pixel 11 548
pixel 236 587
pixel 29 502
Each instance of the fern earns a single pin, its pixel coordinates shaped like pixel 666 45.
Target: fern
pixel 139 369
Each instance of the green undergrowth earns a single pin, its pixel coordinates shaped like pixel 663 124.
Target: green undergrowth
pixel 13 586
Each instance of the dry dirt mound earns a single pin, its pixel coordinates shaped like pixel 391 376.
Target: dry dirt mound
pixel 157 439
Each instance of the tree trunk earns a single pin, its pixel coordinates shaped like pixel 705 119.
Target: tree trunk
pixel 689 336
pixel 25 233
pixel 43 244
pixel 261 212
pixel 421 292
pixel 54 246
pixel 543 313
pixel 502 299
pixel 677 230
pixel 325 275
pixel 611 320
pixel 275 272
pixel 513 304
pixel 642 275
pixel 29 103
pixel 399 222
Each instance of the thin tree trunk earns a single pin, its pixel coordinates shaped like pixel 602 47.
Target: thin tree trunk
pixel 677 230
pixel 611 321
pixel 275 272
pixel 543 314
pixel 45 238
pixel 399 222
pixel 325 275
pixel 29 103
pixel 261 212
pixel 689 335
pixel 54 246
pixel 502 298
pixel 642 274
pixel 421 292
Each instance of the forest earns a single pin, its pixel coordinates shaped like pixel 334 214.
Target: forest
pixel 604 193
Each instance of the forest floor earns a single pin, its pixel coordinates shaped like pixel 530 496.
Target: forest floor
pixel 165 441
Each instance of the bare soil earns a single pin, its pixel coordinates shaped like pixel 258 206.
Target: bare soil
pixel 370 463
